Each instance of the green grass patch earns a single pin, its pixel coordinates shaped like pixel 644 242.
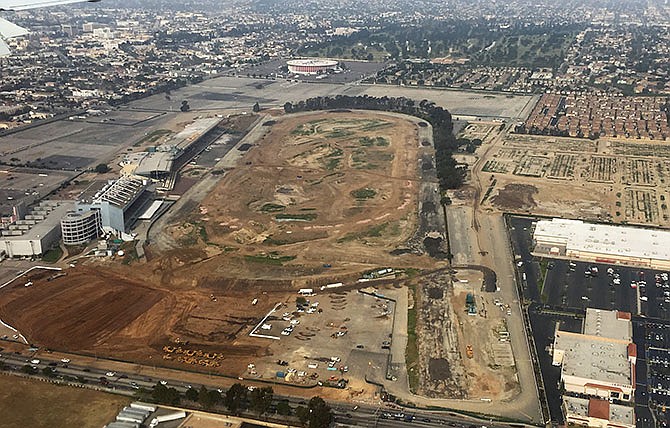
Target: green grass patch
pixel 296 217
pixel 339 133
pixel 53 255
pixel 381 142
pixel 332 163
pixel 366 141
pixel 374 124
pixel 412 351
pixel 272 208
pixel 372 232
pixel 272 258
pixel 364 193
pixel 202 230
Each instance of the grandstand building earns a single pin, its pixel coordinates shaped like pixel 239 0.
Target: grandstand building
pixel 118 202
pixel 602 243
pixel 162 160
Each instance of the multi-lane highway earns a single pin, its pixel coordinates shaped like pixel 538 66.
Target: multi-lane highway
pixel 346 414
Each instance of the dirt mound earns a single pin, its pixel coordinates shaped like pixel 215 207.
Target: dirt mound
pixel 515 197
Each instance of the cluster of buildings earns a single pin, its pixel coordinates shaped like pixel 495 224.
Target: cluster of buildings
pixel 108 207
pixel 602 243
pixel 598 370
pixel 82 59
pixel 589 115
pixel 442 72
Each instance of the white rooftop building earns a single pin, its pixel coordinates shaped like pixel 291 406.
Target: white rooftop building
pixel 599 362
pixel 602 243
pixel 598 413
pixel 119 202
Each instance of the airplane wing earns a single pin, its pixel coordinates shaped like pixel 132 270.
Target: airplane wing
pixel 33 4
pixel 7 29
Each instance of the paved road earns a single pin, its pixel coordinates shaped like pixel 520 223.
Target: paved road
pixel 347 414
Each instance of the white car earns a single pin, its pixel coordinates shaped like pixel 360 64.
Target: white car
pixel 65 360
pixel 295 322
pixel 163 382
pixel 110 374
pixel 35 361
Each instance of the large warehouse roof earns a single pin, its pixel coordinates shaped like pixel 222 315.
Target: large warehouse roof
pixel 593 357
pixel 604 239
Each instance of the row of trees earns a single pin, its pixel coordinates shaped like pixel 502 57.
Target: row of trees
pixel 239 399
pixel 448 172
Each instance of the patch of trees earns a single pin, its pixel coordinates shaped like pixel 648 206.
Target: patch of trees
pixel 445 143
pixel 237 400
pixel 317 414
pixel 102 168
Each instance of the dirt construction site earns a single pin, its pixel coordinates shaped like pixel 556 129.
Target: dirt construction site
pixel 604 180
pixel 320 198
pixel 464 349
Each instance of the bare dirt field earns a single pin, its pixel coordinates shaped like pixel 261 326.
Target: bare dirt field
pixel 321 198
pixel 460 351
pixel 324 189
pixel 31 403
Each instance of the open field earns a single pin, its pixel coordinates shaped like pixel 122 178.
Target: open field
pixel 31 403
pixel 315 190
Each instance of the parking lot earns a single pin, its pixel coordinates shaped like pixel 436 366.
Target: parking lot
pixel 338 338
pixel 569 288
pixel 578 285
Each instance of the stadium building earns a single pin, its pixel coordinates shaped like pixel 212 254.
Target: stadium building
pixel 602 243
pixel 600 361
pixel 311 66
